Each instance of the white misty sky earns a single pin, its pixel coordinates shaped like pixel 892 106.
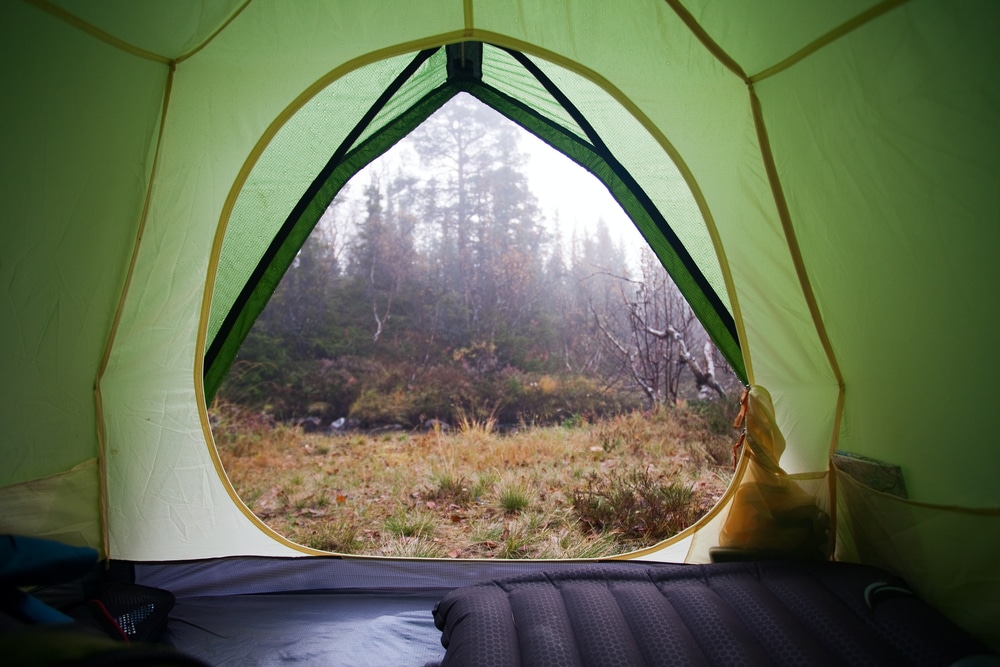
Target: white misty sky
pixel 568 190
pixel 564 190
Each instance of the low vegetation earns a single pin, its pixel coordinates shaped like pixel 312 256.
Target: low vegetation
pixel 576 490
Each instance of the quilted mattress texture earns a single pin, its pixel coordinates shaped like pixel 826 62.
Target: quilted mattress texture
pixel 762 613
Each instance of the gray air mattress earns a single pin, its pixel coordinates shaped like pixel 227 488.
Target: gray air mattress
pixel 763 613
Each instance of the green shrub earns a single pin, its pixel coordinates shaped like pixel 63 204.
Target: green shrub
pixel 338 536
pixel 718 414
pixel 637 506
pixel 450 488
pixel 374 407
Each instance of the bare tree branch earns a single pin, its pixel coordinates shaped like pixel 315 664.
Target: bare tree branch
pixel 379 321
pixel 704 378
pixel 630 356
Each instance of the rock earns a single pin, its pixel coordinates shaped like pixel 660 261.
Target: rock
pixel 436 425
pixel 343 425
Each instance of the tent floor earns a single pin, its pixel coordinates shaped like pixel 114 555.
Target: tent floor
pixel 317 610
pixel 349 629
pixel 360 612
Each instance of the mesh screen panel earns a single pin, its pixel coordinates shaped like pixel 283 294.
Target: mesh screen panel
pixel 504 73
pixel 291 161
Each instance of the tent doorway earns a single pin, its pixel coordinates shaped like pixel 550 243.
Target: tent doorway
pixel 449 368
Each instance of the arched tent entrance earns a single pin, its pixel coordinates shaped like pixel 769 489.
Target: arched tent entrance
pixel 388 96
pixel 842 160
pixel 302 164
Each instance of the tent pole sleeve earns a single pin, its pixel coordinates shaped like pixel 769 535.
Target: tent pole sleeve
pixel 781 203
pixel 706 40
pixel 469 16
pixel 102 437
pixel 215 34
pixel 861 19
pixel 96 32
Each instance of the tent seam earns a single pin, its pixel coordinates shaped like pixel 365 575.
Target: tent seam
pixel 831 489
pixel 469 16
pixel 783 213
pixel 842 30
pixel 112 335
pixel 785 216
pixel 706 40
pixel 96 32
pixel 210 38
pixel 727 61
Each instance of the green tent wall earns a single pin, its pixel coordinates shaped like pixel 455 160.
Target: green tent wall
pixel 841 161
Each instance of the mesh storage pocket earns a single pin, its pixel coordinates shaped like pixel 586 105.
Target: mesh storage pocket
pixel 131 612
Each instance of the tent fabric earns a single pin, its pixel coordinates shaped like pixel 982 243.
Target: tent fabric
pixel 832 171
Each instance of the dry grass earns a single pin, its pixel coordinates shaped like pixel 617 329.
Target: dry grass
pixel 584 491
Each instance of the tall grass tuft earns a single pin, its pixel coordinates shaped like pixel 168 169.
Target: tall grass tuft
pixel 513 497
pixel 338 536
pixel 450 487
pixel 409 547
pixel 411 524
pixel 477 425
pixel 639 506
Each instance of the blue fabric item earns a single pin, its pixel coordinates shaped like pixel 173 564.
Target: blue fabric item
pixel 31 561
pixel 28 609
